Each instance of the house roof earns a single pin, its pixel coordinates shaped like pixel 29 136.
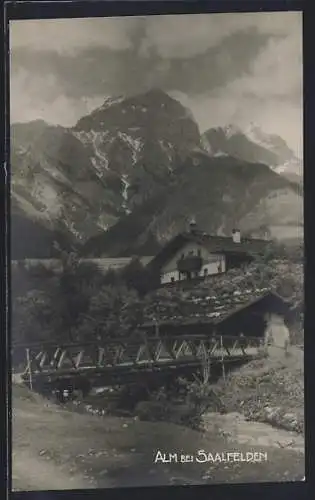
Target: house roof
pixel 216 244
pixel 215 309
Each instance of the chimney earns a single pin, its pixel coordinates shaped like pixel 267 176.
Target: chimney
pixel 192 225
pixel 236 236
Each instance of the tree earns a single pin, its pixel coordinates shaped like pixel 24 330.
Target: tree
pixel 112 278
pixel 76 284
pixel 25 278
pixel 113 312
pixel 138 277
pixel 33 317
pixel 52 304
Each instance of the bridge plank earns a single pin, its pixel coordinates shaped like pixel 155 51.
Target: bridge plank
pixel 34 362
pixel 55 359
pixel 158 351
pixel 79 358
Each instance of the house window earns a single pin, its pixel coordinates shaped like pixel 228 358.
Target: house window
pixel 191 252
pixel 220 267
pixel 205 271
pixel 172 279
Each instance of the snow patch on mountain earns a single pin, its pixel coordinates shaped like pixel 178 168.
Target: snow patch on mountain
pixel 47 196
pixel 84 137
pixel 134 142
pixel 290 162
pixel 125 183
pixel 254 133
pixel 286 167
pixel 220 153
pixel 293 167
pixel 95 139
pixel 250 143
pixel 71 227
pixel 96 166
pixel 230 130
pixel 110 101
pixel 205 145
pixel 125 186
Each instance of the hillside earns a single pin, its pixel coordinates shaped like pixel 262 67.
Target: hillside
pixel 127 236
pixel 221 192
pixel 32 238
pixel 125 178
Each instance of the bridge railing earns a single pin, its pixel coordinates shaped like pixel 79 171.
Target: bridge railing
pixel 51 357
pixel 134 341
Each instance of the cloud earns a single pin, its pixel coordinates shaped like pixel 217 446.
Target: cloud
pixel 185 36
pixel 53 106
pixel 70 36
pixel 227 67
pixel 102 71
pixel 167 33
pixel 276 72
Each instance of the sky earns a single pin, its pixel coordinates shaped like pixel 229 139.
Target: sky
pixel 238 68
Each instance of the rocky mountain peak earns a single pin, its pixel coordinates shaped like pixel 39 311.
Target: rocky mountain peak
pixel 254 145
pixel 83 179
pixel 134 169
pixel 230 130
pixel 272 142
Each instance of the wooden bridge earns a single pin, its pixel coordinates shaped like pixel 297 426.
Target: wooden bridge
pixel 84 365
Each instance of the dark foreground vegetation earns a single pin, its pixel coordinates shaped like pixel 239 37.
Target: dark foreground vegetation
pixel 80 303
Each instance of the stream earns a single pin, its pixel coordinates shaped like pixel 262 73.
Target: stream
pixel 236 428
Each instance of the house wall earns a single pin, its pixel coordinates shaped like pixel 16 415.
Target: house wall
pixel 211 263
pixel 277 335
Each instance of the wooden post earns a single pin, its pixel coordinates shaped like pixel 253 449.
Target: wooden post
pixel 29 364
pixel 148 350
pixel 222 358
pixel 206 365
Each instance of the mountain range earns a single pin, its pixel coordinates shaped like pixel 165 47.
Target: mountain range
pixel 130 174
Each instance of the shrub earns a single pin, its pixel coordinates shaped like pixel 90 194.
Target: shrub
pixel 153 411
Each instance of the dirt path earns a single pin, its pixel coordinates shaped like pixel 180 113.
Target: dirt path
pixel 32 473
pixel 55 449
